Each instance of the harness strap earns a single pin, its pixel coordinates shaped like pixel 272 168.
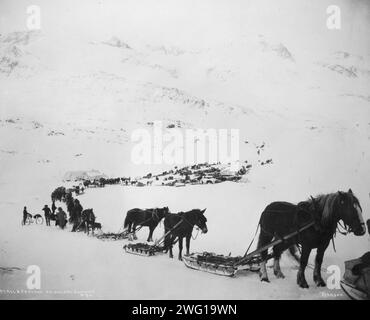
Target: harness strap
pixel 255 234
pixel 343 227
pixel 273 243
pixel 192 225
pixel 160 240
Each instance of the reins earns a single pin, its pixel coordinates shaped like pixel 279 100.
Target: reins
pixel 192 225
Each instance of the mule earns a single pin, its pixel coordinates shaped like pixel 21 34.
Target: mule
pixel 144 218
pixel 187 222
pixel 281 218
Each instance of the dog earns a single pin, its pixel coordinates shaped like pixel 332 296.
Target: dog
pixel 97 225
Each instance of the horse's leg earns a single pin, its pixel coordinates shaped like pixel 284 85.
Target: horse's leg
pixel 277 250
pixel 318 262
pixel 188 244
pixel 301 279
pixel 170 247
pixel 166 241
pixel 180 248
pixel 263 239
pixel 151 229
pixel 134 231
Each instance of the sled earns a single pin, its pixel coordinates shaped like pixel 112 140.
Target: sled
pixel 114 236
pixel 229 266
pixel 356 278
pixel 120 235
pixel 220 264
pixel 144 249
pixel 353 292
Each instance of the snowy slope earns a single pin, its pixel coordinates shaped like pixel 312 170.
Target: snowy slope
pixel 71 94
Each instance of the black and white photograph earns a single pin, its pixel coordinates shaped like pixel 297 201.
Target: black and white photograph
pixel 184 150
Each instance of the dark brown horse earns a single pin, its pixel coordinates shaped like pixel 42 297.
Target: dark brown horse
pixel 181 226
pixel 145 218
pixel 87 220
pixel 281 218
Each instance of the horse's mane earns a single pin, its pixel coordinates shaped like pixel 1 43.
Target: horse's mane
pixel 325 203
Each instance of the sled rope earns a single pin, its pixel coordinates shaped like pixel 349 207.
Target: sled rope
pixel 273 243
pixel 255 234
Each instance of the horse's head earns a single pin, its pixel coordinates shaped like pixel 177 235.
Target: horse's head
pixel 201 220
pixel 162 212
pixel 350 212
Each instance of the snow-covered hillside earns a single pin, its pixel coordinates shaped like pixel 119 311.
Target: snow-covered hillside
pixel 72 93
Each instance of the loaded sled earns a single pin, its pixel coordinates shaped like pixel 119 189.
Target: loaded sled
pixel 115 236
pixel 229 266
pixel 144 249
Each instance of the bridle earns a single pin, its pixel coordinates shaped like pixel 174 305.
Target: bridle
pixel 347 229
pixel 192 225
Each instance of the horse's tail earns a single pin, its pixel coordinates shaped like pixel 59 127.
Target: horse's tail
pixel 127 220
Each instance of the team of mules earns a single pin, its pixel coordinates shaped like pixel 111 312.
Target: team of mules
pixel 323 213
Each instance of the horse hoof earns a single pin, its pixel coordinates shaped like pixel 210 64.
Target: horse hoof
pixel 264 278
pixel 321 283
pixel 180 258
pixel 279 274
pixel 303 285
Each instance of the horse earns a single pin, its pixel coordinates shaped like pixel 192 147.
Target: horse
pixel 187 221
pixel 145 218
pixel 87 220
pixel 326 210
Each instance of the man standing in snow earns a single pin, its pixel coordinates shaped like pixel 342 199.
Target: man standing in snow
pixel 25 215
pixel 47 213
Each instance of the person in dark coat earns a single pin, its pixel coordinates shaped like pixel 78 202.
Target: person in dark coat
pixel 47 213
pixel 25 215
pixel 61 218
pixel 76 216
